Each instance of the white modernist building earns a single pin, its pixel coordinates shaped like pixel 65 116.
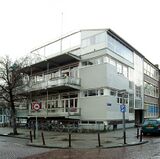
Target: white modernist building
pixel 85 76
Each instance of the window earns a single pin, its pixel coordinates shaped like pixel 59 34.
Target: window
pixel 106 91
pixel 105 59
pixel 84 122
pixel 150 71
pixel 1 111
pixel 88 62
pixel 131 85
pixel 151 90
pixel 120 49
pixel 119 68
pixel 85 43
pixel 99 60
pixel 91 122
pixel 85 93
pixel 131 103
pixel 92 92
pixel 95 39
pixel 101 92
pixel 113 93
pixel 131 74
pixel 157 92
pixel 121 99
pixel 138 91
pixel 54 74
pixel 84 63
pixel 47 76
pixel 125 71
pixel 1 119
pixel 99 38
pixel 39 78
pixel 112 62
pixel 151 110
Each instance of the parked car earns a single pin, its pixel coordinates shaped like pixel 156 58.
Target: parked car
pixel 151 126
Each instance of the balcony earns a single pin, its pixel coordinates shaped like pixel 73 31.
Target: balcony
pixel 59 83
pixel 64 81
pixel 57 112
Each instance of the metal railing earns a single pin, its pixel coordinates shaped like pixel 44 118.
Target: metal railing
pixel 55 82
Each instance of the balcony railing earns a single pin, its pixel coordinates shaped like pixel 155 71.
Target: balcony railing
pixel 63 81
pixel 68 81
pixel 56 112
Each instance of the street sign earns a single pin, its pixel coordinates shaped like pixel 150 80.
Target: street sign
pixel 122 108
pixel 36 106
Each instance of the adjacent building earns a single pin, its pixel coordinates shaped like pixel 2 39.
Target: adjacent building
pixel 79 78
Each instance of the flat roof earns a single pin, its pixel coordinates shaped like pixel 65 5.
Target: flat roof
pixel 53 62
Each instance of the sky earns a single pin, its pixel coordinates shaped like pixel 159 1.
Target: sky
pixel 28 24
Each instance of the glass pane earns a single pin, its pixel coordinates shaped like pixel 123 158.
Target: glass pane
pixel 112 62
pixel 120 49
pixel 125 71
pixel 119 68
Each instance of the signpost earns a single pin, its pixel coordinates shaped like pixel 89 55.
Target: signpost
pixel 36 106
pixel 123 110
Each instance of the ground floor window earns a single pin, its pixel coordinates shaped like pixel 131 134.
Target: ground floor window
pixel 64 102
pixel 70 104
pixel 151 110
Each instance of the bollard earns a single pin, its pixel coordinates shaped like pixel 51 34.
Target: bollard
pixel 34 132
pixel 99 140
pixel 124 137
pixel 31 136
pixel 69 139
pixel 141 135
pixel 43 138
pixel 137 132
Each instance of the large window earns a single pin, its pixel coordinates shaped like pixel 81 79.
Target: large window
pixel 150 71
pixel 131 103
pixel 151 110
pixel 120 49
pixel 138 81
pixel 95 39
pixel 138 92
pixel 92 92
pixel 151 90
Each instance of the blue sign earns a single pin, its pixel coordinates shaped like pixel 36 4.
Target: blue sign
pixel 122 108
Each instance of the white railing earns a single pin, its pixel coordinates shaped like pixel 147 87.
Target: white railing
pixel 58 111
pixel 55 82
pixel 64 80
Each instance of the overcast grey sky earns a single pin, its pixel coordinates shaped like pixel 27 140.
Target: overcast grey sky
pixel 28 24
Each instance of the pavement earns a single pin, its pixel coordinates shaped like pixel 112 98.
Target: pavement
pixel 64 140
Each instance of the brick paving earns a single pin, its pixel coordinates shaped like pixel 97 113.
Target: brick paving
pixel 80 142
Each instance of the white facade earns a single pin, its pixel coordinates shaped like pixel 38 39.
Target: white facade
pixel 81 76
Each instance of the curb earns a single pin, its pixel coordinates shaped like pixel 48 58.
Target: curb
pixel 45 146
pixel 101 147
pixel 20 137
pixel 126 145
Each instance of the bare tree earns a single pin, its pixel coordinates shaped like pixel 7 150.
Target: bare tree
pixel 10 79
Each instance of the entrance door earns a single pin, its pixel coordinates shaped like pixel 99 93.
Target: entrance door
pixel 138 116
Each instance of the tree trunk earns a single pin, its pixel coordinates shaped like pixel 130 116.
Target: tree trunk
pixel 13 121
